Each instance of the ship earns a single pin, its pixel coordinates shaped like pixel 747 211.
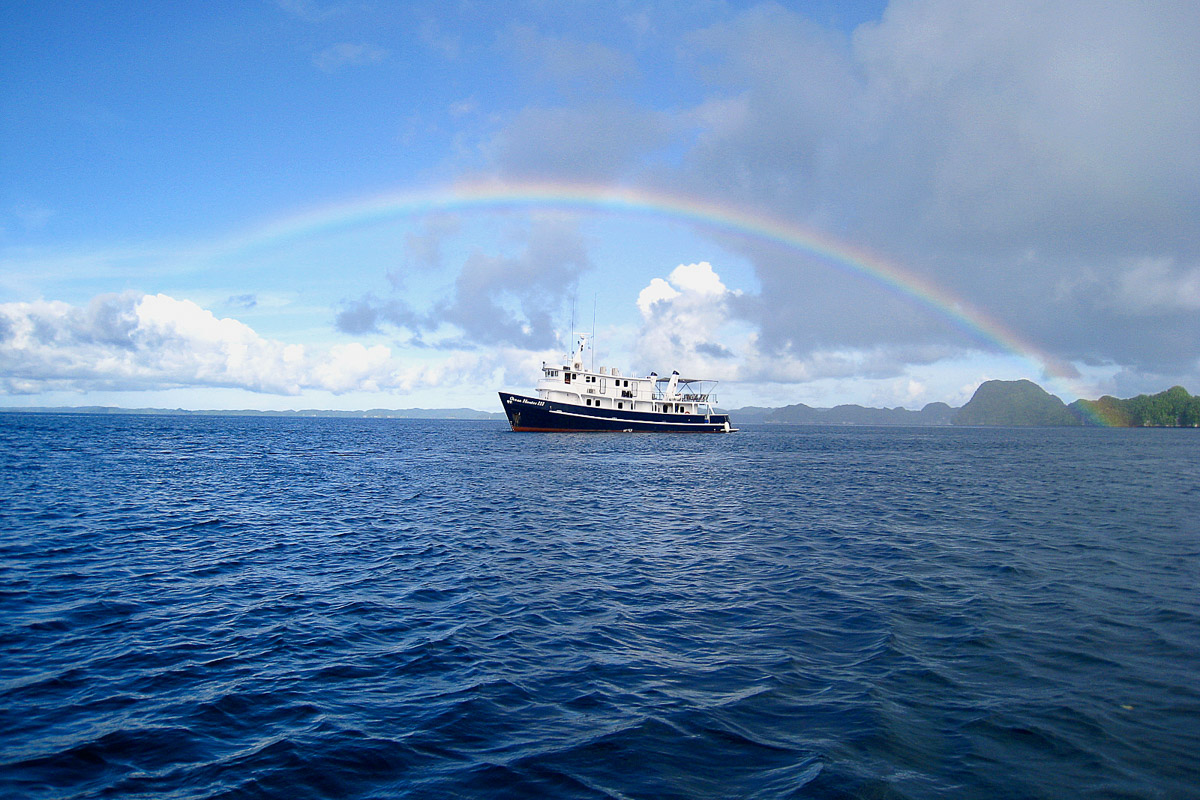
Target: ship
pixel 571 397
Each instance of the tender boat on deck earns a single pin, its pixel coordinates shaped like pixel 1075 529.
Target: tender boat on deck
pixel 572 398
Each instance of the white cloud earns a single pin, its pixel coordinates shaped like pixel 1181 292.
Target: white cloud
pixel 131 341
pixel 353 366
pixel 687 325
pixel 699 279
pixel 658 291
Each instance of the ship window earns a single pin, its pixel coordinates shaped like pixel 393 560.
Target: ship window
pixel 620 405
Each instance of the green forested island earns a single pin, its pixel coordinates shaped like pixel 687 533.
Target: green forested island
pixel 1174 408
pixel 1004 403
pixel 1026 403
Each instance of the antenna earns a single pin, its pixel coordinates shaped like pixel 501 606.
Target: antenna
pixel 571 328
pixel 593 333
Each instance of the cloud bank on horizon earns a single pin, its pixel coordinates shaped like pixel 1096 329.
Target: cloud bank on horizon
pixel 1036 161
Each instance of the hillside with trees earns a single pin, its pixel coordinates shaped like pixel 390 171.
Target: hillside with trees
pixel 1014 403
pixel 1174 408
pixel 1003 403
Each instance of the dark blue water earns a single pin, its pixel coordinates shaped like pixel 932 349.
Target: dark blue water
pixel 311 608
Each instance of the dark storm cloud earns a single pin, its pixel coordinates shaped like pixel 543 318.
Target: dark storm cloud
pixel 1022 156
pixel 1029 158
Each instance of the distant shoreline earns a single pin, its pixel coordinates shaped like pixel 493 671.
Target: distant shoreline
pixel 375 413
pixel 1019 403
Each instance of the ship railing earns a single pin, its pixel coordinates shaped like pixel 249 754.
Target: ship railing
pixel 682 397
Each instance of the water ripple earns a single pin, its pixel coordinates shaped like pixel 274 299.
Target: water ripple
pixel 237 607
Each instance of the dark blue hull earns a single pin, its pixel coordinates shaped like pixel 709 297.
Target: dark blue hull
pixel 534 414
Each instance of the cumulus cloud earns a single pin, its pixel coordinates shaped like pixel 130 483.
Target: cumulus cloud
pixel 683 318
pixel 495 299
pixel 692 321
pixel 132 341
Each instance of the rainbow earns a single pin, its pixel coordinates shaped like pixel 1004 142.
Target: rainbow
pixel 494 195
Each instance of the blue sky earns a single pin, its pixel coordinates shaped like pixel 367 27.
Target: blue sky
pixel 184 198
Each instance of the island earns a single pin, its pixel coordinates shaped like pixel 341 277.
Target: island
pixel 1020 403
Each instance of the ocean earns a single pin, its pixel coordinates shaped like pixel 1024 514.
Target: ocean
pixel 229 607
